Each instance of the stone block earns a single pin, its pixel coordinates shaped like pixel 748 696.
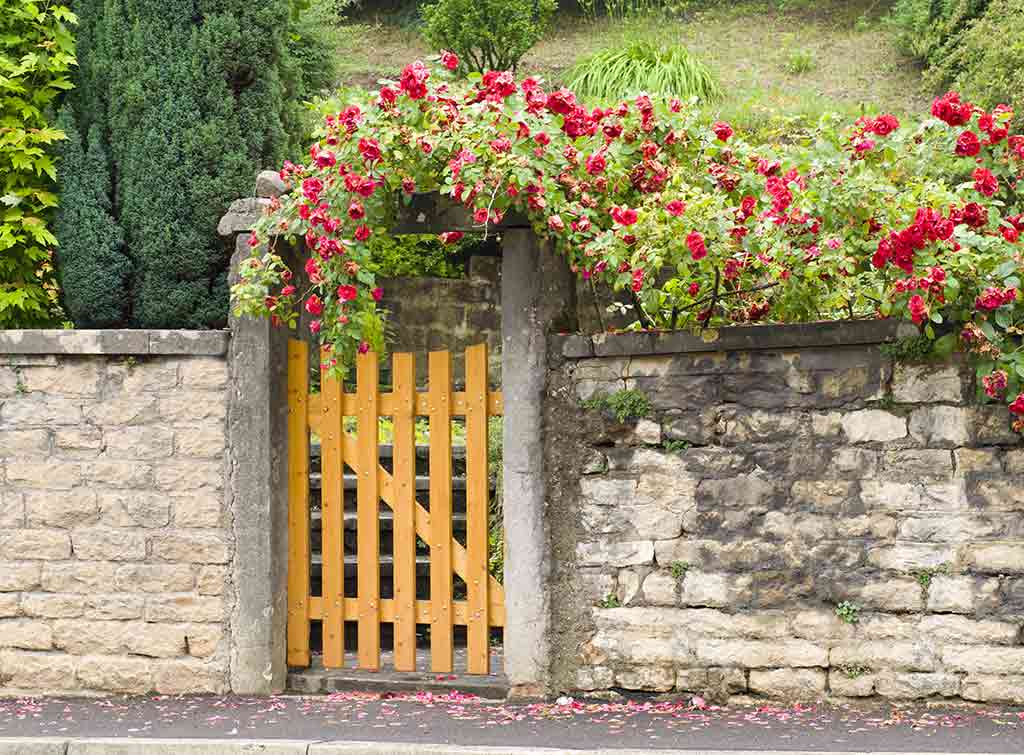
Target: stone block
pixel 24 443
pixel 204 373
pixel 945 528
pixel 661 589
pixel 760 426
pixel 648 678
pixel 903 686
pixel 961 630
pixel 195 548
pixel 594 678
pixel 997 659
pixel 84 442
pixel 132 508
pixel 652 507
pixel 188 342
pixel 37 410
pixel 12 509
pixel 80 637
pixel 900 594
pixel 119 474
pixel 990 425
pixel 10 605
pixel 926 384
pixel 886 495
pixel 852 462
pixel 198 510
pixel 44 545
pixel 193 407
pixel 62 509
pixel 822 495
pixel 759 654
pixel 52 606
pixel 181 476
pixel 715 590
pixel 645 432
pixel 788 683
pixel 906 557
pixel 155 640
pixel 640 636
pixel 594 585
pixel 125 675
pixel 749 492
pixel 184 608
pixel 154 578
pixel 976 461
pixel 109 544
pixel 203 639
pixel 873 426
pixel 1014 458
pixel 627 586
pixel 146 442
pixel 184 677
pixel 1000 494
pixel 880 626
pixel 884 654
pixel 819 625
pixel 211 580
pixel 25 634
pixel 205 441
pixel 993 689
pixel 850 683
pixel 19 575
pixel 122 410
pixel 996 558
pixel 113 607
pixel 145 376
pixel 78 576
pixel 38 672
pixel 948 594
pixel 603 553
pixel 913 463
pixel 48 475
pixel 940 426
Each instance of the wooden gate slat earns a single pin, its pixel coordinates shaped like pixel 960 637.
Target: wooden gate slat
pixel 298 504
pixel 404 526
pixel 442 646
pixel 387 611
pixel 477 494
pixel 333 503
pixel 368 513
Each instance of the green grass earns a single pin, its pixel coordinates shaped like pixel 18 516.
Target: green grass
pixel 856 65
pixel 641 66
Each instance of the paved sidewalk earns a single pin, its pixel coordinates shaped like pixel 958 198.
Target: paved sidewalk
pixel 356 723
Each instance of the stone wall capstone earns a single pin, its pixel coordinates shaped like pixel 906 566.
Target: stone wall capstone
pixel 797 517
pixel 115 544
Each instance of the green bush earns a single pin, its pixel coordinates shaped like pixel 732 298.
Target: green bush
pixel 188 98
pixel 641 66
pixel 487 34
pixel 37 51
pixel 414 256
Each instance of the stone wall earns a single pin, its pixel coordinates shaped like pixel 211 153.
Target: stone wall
pixel 782 473
pixel 115 543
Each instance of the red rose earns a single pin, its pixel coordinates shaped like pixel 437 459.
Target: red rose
pixel 347 292
pixel 884 125
pixel 968 144
pixel 369 149
pixel 985 182
pixel 722 130
pixel 362 233
pixel 377 293
pixel 950 109
pixel 624 215
pixel 695 243
pixel 356 211
pixel 1017 407
pixel 314 306
pixel 555 223
pixel 449 60
pixel 408 185
pixel 918 310
pixel 414 80
pixel 451 237
pixel 596 164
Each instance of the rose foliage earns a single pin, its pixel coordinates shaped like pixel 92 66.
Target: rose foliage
pixel 696 225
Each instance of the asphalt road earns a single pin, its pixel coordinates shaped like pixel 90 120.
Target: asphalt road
pixel 579 725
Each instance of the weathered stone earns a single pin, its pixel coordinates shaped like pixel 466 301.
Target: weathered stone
pixel 154 578
pixel 242 215
pixel 715 590
pixel 134 509
pixel 892 595
pixel 204 373
pixel 113 607
pixel 822 495
pixel 850 682
pixel 596 463
pixel 181 476
pixel 594 678
pixel 757 654
pixel 640 636
pixel 907 557
pixel 917 463
pixel 884 654
pixel 15 576
pixel 204 548
pixel 873 425
pixel 924 384
pixel 80 637
pixel 24 443
pixel 40 411
pixel 199 510
pixel 12 509
pixel 998 558
pixel 155 640
pixel 174 677
pixel 144 442
pixel 853 462
pixel 912 496
pixel 211 580
pixel 990 425
pixel 108 544
pixel 750 492
pixel 940 426
pixel 70 378
pixel 71 508
pixel 959 629
pixel 788 683
pixel 184 608
pixel 976 461
pixel 25 634
pixel 126 675
pixel 628 582
pixel 10 605
pixel 993 689
pixel 800 526
pixel 145 376
pixel 902 686
pixel 39 672
pixel 78 442
pixel 649 678
pixel 882 626
pixel 1001 495
pixel 45 545
pixel 48 475
pixel 603 553
pixel 78 576
pixel 997 659
pixel 760 426
pixel 946 528
pixel 820 625
pixel 660 589
pixel 269 184
pixel 1014 458
pixel 951 594
pixel 204 441
pixel 122 410
pixel 645 432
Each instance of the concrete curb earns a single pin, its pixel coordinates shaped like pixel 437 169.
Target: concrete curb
pixel 124 746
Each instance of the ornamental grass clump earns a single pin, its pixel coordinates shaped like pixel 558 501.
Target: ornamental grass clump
pixel 698 226
pixel 642 67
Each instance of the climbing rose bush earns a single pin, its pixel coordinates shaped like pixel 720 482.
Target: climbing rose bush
pixel 697 226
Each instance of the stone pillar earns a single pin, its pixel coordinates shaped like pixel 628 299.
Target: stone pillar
pixel 537 295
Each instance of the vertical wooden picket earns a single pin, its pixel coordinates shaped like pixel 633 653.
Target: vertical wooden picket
pixel 333 522
pixel 441 634
pixel 477 494
pixel 298 504
pixel 368 508
pixel 404 519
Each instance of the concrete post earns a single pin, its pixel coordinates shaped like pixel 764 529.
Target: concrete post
pixel 258 498
pixel 537 296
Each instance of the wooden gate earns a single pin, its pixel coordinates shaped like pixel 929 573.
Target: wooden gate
pixel 323 414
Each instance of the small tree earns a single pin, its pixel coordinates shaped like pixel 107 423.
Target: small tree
pixel 488 34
